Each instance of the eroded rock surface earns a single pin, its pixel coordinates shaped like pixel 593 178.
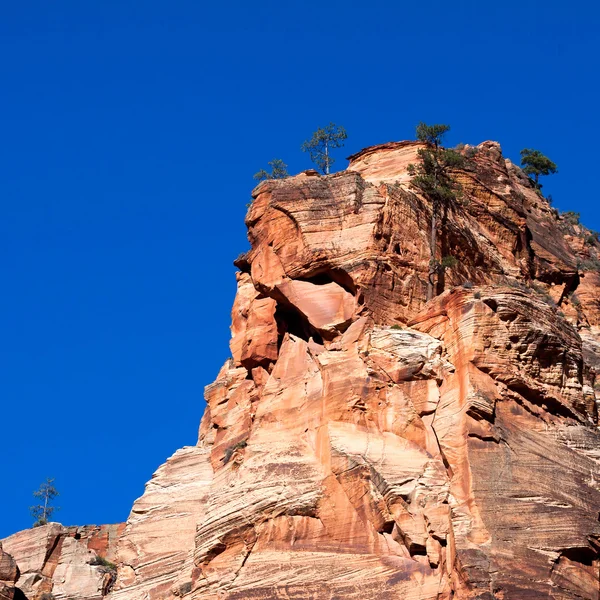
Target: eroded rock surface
pixel 366 444
pixel 159 534
pixel 9 574
pixel 361 443
pixel 64 562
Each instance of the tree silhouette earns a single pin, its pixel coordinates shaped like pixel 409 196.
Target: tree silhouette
pixel 322 142
pixel 42 512
pixel 278 171
pixel 536 164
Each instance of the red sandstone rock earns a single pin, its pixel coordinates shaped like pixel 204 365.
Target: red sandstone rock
pixel 364 444
pixel 328 307
pixel 159 534
pixel 60 560
pixel 9 574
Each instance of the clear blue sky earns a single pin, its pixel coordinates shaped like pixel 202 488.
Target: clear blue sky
pixel 130 133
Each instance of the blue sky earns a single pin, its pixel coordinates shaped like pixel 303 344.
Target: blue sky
pixel 130 133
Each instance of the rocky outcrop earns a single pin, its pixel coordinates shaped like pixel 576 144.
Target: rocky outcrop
pixel 61 563
pixel 358 460
pixel 9 574
pixel 363 443
pixel 517 429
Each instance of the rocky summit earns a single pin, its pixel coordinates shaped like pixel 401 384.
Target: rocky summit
pixel 361 442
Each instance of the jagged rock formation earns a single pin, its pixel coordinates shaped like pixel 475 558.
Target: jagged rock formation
pixel 364 444
pixel 62 563
pixel 9 574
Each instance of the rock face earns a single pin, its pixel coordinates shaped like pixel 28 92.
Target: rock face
pixel 64 562
pixel 362 443
pixel 9 573
pixel 159 535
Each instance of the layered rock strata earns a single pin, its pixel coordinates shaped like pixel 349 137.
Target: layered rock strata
pixel 63 563
pixel 362 443
pixel 9 574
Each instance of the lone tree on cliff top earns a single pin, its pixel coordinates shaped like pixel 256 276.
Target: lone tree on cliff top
pixel 433 178
pixel 278 171
pixel 534 164
pixel 42 512
pixel 322 142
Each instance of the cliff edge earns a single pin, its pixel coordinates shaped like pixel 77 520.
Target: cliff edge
pixel 362 443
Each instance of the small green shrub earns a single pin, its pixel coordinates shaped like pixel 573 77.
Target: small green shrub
pixel 518 285
pixel 231 449
pixel 592 239
pixel 278 171
pixel 477 295
pixel 100 561
pixel 546 297
pixel 395 326
pixel 448 262
pixel 468 285
pixel 571 217
pixel 47 596
pixel 593 264
pixel 185 588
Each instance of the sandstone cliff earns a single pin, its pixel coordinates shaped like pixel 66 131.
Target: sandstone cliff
pixel 362 443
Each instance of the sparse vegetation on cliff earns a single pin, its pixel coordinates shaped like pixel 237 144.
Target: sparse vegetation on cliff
pixel 593 238
pixel 592 264
pixel 229 451
pixel 278 171
pixel 571 217
pixel 336 366
pixel 100 561
pixel 535 163
pixel 43 512
pixel 433 178
pixel 322 142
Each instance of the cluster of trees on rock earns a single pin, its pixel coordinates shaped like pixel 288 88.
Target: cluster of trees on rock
pixel 433 176
pixel 319 147
pixel 333 136
pixel 278 171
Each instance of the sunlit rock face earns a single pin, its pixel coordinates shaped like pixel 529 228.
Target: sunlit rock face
pixel 159 534
pixel 9 574
pixel 362 443
pixel 64 562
